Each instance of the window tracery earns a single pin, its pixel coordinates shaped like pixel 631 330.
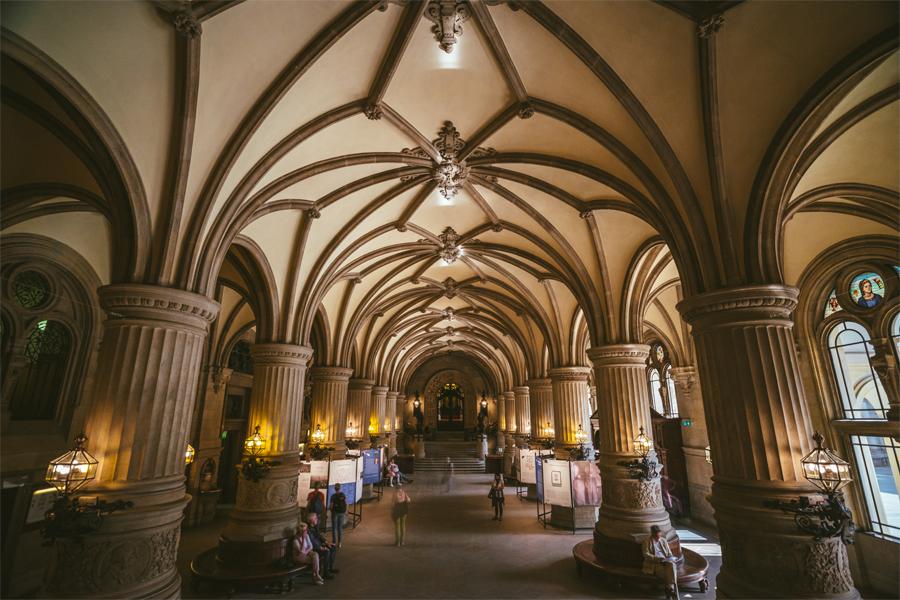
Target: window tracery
pixel 661 382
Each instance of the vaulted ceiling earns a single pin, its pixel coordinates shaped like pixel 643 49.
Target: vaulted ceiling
pixel 509 181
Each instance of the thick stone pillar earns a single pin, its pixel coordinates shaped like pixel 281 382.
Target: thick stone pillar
pixel 137 427
pixel 329 405
pixel 571 409
pixel 379 413
pixel 759 431
pixel 266 510
pixel 202 482
pixel 509 408
pixel 523 414
pixel 541 398
pixel 630 506
pixel 695 438
pixel 359 403
pixel 394 417
pixel 501 422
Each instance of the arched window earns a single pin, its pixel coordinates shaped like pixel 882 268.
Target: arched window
pixel 670 388
pixel 240 359
pixel 862 396
pixel 655 397
pixel 38 388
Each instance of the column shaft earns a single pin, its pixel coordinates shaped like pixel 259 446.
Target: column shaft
pixel 501 421
pixel 391 420
pixel 329 404
pixel 378 410
pixel 138 428
pixel 695 438
pixel 541 398
pixel 760 430
pixel 509 409
pixel 523 414
pixel 630 506
pixel 570 406
pixel 359 401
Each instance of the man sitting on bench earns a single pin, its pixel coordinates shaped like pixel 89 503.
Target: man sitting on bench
pixel 325 550
pixel 659 561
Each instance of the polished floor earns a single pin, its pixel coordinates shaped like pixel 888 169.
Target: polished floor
pixel 454 550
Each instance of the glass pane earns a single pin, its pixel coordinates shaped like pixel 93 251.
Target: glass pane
pixel 862 396
pixel 831 305
pixel 879 475
pixel 673 399
pixel 31 289
pixel 655 396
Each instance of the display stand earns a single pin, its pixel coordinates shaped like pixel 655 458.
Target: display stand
pixel 373 465
pixel 542 504
pixel 339 473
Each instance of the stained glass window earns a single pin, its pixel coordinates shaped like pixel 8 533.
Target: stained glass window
pixel 655 396
pixel 862 396
pixel 31 289
pixel 831 305
pixel 240 359
pixel 49 338
pixel 39 386
pixel 867 290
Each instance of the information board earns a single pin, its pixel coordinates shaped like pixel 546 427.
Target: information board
pixel 373 460
pixel 557 482
pixel 585 483
pixel 347 473
pixel 310 473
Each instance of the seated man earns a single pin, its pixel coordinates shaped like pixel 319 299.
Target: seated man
pixel 325 550
pixel 659 560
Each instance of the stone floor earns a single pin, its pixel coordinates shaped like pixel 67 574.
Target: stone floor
pixel 454 550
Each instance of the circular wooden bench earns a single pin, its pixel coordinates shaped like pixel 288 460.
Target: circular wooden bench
pixel 274 578
pixel 692 570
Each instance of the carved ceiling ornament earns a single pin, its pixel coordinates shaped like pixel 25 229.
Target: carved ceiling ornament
pixel 448 17
pixel 450 248
pixel 450 287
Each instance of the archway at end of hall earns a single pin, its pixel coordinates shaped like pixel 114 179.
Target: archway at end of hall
pixel 450 400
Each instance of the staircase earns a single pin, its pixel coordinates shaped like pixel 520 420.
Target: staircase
pixel 463 455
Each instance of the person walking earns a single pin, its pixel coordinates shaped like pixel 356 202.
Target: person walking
pixel 398 513
pixel 338 508
pixel 448 476
pixel 497 498
pixel 315 503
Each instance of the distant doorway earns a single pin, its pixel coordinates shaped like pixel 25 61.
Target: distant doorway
pixel 450 402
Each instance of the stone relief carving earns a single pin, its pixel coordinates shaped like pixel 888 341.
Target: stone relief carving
pixel 633 493
pixel 448 17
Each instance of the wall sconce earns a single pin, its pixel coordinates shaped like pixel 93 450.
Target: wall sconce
pixel 579 452
pixel 708 453
pixel 255 467
pixel 317 451
pixel 580 436
pixel 826 518
pixel 642 468
pixel 73 517
pixel 189 454
pixel 318 435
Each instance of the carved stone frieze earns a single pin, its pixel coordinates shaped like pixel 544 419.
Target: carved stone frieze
pixel 569 373
pixel 619 354
pixel 632 493
pixel 267 493
pixel 448 17
pixel 280 353
pixel 761 302
pixel 142 301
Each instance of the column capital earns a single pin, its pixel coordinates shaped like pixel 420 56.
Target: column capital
pixel 380 389
pixel 619 355
pixel 280 354
pixel 330 373
pixel 574 373
pixel 361 384
pixel 537 384
pixel 520 389
pixel 509 395
pixel 142 301
pixel 395 393
pixel 746 303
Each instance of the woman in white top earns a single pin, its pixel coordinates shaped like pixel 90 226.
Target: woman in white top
pixel 303 554
pixel 658 559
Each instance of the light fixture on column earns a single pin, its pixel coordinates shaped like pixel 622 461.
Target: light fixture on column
pixel 254 466
pixel 579 452
pixel 829 517
pixel 318 435
pixel 189 454
pixel 73 517
pixel 351 436
pixel 642 468
pixel 317 451
pixel 373 432
pixel 708 454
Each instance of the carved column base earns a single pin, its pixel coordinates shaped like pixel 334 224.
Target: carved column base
pixel 265 510
pixel 631 506
pixel 580 517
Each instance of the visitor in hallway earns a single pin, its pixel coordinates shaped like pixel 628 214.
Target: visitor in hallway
pixel 302 553
pixel 393 473
pixel 325 550
pixel 448 476
pixel 315 503
pixel 496 496
pixel 338 506
pixel 399 511
pixel 659 561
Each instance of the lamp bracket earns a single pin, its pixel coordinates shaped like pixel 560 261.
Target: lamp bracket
pixel 823 519
pixel 256 468
pixel 70 518
pixel 642 469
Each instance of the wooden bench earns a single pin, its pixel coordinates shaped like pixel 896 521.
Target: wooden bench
pixel 274 578
pixel 692 570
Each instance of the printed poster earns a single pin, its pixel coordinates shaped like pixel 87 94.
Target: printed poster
pixel 372 460
pixel 310 472
pixel 347 473
pixel 527 466
pixel 585 483
pixel 557 482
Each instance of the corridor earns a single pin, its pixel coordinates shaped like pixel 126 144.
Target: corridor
pixel 453 550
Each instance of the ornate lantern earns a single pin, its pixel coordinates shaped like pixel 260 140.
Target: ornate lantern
pixel 255 444
pixel 352 431
pixel 642 444
pixel 318 435
pixel 73 469
pixel 825 469
pixel 189 455
pixel 581 436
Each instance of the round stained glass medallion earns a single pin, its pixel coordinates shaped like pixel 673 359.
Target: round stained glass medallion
pixel 31 289
pixel 867 290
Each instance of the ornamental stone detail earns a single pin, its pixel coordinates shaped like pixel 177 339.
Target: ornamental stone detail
pixel 448 17
pixel 759 302
pixel 143 301
pixel 632 493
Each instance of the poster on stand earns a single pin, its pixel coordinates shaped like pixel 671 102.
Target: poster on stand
pixel 539 477
pixel 557 482
pixel 310 473
pixel 527 465
pixel 585 483
pixel 345 472
pixel 372 461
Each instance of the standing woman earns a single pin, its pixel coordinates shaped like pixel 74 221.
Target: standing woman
pixel 398 513
pixel 496 496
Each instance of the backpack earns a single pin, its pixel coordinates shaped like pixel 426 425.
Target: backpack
pixel 339 503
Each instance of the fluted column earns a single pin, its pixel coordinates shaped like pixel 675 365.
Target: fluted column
pixel 509 409
pixel 329 405
pixel 759 430
pixel 208 446
pixel 540 394
pixel 630 506
pixel 391 419
pixel 501 422
pixel 523 414
pixel 138 428
pixel 359 401
pixel 266 509
pixel 695 439
pixel 570 406
pixel 377 412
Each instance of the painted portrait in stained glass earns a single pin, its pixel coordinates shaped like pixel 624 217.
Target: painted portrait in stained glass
pixel 831 305
pixel 659 353
pixel 867 290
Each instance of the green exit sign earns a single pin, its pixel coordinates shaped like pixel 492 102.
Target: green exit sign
pixel 687 422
